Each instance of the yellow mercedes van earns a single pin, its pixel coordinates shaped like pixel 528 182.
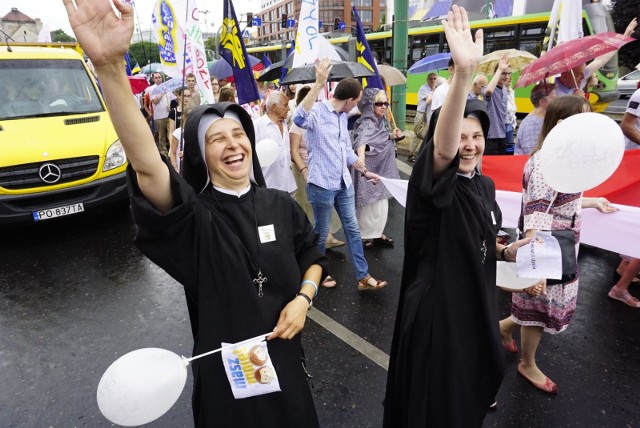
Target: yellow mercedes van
pixel 59 153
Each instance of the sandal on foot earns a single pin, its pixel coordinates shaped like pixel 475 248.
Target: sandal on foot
pixel 548 386
pixel 624 296
pixel 370 283
pixel 385 240
pixel 367 243
pixel 411 158
pixel 329 282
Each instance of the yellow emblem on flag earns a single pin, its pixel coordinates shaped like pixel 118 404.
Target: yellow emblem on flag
pixel 231 41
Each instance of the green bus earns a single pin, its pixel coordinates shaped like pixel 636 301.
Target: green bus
pixel 525 32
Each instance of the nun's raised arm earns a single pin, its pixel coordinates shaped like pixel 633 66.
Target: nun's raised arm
pixel 105 37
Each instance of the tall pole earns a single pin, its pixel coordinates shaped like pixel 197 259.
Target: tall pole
pixel 400 34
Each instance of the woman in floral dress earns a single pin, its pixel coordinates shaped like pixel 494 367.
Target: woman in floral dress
pixel 543 307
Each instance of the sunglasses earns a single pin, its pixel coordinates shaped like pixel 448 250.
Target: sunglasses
pixel 380 104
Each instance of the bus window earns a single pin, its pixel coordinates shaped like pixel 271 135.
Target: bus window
pixel 531 38
pixel 423 45
pixel 378 46
pixel 499 38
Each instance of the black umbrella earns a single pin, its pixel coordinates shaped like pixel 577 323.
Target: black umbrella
pixel 274 71
pixel 340 70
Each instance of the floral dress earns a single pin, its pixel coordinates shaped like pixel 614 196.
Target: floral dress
pixel 553 312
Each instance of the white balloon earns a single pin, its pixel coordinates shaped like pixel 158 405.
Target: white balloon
pixel 581 152
pixel 141 386
pixel 507 277
pixel 267 151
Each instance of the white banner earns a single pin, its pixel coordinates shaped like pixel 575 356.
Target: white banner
pixel 307 35
pixel 180 42
pixel 617 232
pixel 570 25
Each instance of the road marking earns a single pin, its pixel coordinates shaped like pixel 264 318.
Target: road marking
pixel 404 167
pixel 346 335
pixel 350 338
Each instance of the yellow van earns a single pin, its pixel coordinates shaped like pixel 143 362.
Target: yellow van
pixel 59 153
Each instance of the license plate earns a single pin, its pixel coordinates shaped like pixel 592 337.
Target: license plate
pixel 57 212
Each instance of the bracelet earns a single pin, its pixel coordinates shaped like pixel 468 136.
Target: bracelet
pixel 503 253
pixel 307 298
pixel 315 286
pixel 302 169
pixel 365 172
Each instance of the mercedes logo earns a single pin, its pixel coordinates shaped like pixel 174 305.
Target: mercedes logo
pixel 49 173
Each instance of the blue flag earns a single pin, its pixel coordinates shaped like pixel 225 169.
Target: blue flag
pixel 364 57
pixel 127 64
pixel 233 51
pixel 265 60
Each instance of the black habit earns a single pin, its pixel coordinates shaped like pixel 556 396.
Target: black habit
pixel 209 243
pixel 446 359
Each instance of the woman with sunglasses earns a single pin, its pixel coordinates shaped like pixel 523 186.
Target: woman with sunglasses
pixel 374 144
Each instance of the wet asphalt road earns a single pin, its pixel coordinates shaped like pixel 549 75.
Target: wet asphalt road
pixel 75 295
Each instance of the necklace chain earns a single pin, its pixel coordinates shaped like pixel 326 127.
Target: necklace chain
pixel 259 279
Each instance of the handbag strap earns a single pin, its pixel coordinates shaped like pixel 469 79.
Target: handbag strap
pixel 553 199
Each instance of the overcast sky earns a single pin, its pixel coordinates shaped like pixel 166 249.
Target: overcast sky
pixel 53 12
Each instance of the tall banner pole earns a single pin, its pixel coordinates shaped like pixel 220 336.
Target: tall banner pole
pixel 400 35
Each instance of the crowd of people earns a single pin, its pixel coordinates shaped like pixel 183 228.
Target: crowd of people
pixel 233 231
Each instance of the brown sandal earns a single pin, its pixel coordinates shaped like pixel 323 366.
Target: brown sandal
pixel 370 283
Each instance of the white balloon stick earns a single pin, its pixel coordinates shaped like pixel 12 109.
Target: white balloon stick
pixel 233 345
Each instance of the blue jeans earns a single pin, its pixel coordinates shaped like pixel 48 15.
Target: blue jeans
pixel 322 201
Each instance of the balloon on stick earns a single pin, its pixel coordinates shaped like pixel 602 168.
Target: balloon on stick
pixel 581 152
pixel 267 151
pixel 144 384
pixel 141 386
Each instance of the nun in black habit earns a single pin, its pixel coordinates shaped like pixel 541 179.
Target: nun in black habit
pixel 220 244
pixel 246 255
pixel 446 360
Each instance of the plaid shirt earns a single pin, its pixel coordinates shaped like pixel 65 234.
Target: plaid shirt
pixel 328 145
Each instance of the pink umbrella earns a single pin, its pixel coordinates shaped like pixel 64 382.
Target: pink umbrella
pixel 571 54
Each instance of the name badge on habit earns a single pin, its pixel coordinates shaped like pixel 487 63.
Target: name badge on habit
pixel 267 233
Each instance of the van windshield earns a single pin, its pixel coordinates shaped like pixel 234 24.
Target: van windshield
pixel 36 88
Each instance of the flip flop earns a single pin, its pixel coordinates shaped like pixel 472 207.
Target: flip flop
pixel 385 240
pixel 329 282
pixel 367 243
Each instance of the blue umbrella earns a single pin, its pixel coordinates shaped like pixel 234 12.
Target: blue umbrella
pixel 150 68
pixel 438 61
pixel 222 70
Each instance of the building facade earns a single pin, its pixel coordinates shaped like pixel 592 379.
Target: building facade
pixel 272 11
pixel 18 27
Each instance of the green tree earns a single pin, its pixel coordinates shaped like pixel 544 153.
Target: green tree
pixel 622 12
pixel 60 36
pixel 143 53
pixel 211 47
